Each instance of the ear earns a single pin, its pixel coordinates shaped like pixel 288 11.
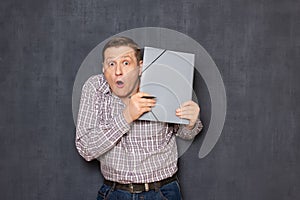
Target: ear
pixel 102 68
pixel 140 67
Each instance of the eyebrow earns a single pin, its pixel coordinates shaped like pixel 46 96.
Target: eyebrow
pixel 113 58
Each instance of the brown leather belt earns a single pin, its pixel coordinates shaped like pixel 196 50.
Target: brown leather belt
pixel 140 187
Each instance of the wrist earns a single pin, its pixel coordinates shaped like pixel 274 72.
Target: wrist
pixel 127 116
pixel 191 126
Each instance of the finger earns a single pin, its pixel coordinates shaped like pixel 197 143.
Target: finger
pixel 148 97
pixel 190 118
pixel 188 109
pixel 186 112
pixel 147 101
pixel 141 109
pixel 193 108
pixel 141 102
pixel 145 109
pixel 143 94
pixel 147 105
pixel 188 103
pixel 187 115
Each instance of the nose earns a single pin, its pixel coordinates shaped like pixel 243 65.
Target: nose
pixel 118 70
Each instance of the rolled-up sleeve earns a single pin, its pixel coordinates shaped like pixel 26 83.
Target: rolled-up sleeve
pixel 187 134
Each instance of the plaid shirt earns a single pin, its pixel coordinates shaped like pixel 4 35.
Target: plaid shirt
pixel 139 152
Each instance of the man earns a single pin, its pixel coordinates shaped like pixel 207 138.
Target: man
pixel 138 158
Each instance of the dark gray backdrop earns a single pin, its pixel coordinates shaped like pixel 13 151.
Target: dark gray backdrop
pixel 255 44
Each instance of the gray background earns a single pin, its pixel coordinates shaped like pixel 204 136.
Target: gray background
pixel 255 44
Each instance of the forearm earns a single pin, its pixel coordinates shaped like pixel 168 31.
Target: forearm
pixel 92 142
pixel 97 131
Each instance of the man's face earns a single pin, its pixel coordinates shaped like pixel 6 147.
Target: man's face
pixel 121 70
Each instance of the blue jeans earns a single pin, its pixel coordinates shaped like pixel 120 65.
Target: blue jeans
pixel 169 191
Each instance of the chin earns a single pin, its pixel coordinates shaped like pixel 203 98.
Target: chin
pixel 121 94
pixel 124 92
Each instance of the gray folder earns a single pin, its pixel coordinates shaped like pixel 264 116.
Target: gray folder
pixel 168 76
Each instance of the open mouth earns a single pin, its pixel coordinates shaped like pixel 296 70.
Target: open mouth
pixel 120 84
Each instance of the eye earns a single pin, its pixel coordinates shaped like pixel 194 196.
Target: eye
pixel 125 63
pixel 111 64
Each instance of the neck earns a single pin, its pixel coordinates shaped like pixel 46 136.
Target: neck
pixel 126 99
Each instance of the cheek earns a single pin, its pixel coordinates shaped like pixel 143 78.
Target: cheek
pixel 108 78
pixel 131 72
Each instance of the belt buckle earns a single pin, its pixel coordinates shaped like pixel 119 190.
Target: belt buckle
pixel 131 188
pixel 146 187
pixel 133 191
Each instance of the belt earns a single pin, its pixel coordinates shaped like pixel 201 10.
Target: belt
pixel 140 187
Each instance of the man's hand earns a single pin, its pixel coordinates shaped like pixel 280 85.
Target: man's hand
pixel 137 106
pixel 189 110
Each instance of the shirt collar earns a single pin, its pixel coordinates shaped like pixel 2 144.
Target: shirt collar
pixel 104 86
